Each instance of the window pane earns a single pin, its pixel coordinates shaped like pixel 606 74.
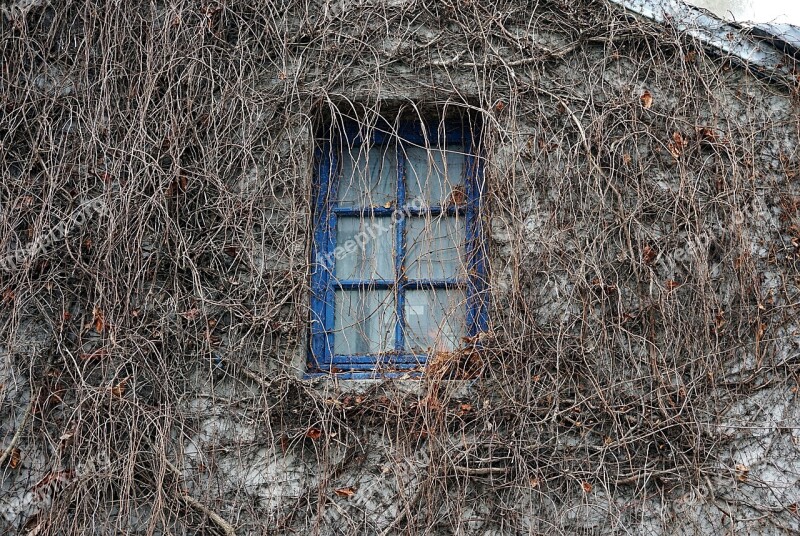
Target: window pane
pixel 435 176
pixel 369 177
pixel 364 322
pixel 435 320
pixel 364 248
pixel 435 247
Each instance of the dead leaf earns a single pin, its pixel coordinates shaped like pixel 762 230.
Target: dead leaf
pixel 49 478
pixel 648 255
pixel 691 56
pixel 345 492
pixel 98 319
pixel 672 284
pixel 646 99
pixel 706 134
pixel 677 145
pixel 192 313
pixel 466 408
pixel 499 106
pixel 313 433
pixel 741 472
pixel 626 159
pixel 97 354
pixel 14 458
pixel 760 329
pixel 119 389
pixel 534 482
pixel 586 487
pixel 458 196
pixel 8 295
pixel 719 319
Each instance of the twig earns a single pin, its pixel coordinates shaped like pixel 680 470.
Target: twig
pixel 18 433
pixel 223 525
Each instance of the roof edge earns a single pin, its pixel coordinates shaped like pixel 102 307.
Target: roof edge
pixel 758 55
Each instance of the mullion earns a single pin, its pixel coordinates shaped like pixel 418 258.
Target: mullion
pixel 400 252
pixel 477 320
pixel 320 351
pixel 383 212
pixel 329 304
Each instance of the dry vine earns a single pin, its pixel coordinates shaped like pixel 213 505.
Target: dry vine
pixel 157 343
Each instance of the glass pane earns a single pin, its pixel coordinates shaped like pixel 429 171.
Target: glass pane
pixel 435 247
pixel 369 177
pixel 364 322
pixel 435 320
pixel 435 177
pixel 364 248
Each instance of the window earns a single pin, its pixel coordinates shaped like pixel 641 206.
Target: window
pixel 399 265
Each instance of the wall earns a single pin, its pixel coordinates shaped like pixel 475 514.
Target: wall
pixel 642 216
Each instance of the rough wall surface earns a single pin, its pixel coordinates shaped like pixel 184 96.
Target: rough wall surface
pixel 643 226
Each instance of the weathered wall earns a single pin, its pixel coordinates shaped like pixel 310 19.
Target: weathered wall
pixel 643 218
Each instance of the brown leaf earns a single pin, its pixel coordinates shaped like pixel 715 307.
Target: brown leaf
pixel 8 295
pixel 586 487
pixel 760 329
pixel 741 472
pixel 100 353
pixel 534 482
pixel 646 99
pixel 499 106
pixel 677 145
pixel 192 313
pixel 458 196
pixel 626 159
pixel 648 255
pixel 14 458
pixel 672 284
pixel 313 433
pixel 98 319
pixel 707 134
pixel 119 389
pixel 719 319
pixel 49 478
pixel 345 492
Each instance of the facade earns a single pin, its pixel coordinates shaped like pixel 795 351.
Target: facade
pixel 628 356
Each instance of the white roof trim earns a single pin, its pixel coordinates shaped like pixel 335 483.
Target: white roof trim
pixel 715 33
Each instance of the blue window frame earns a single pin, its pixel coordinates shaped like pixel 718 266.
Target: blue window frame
pixel 399 264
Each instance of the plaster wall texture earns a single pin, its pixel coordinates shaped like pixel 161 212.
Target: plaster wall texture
pixel 563 223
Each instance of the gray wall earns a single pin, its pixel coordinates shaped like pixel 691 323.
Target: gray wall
pixel 642 225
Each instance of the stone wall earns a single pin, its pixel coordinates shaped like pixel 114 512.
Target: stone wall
pixel 642 217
